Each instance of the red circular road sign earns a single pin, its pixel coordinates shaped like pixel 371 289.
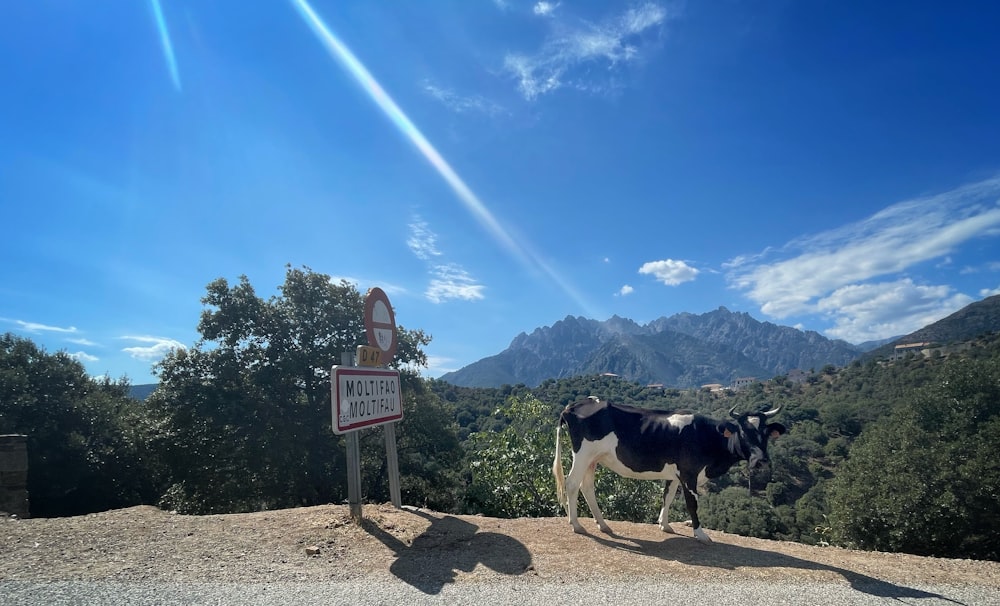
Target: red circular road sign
pixel 380 323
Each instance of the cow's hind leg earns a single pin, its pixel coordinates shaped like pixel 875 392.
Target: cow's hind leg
pixel 574 480
pixel 591 498
pixel 669 491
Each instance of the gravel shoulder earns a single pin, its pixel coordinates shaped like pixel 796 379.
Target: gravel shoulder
pixel 430 550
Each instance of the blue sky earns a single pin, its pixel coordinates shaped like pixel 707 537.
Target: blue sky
pixel 495 165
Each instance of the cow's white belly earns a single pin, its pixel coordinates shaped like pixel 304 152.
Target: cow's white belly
pixel 603 451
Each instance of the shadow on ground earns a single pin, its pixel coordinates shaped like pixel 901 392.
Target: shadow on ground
pixel 447 546
pixel 729 557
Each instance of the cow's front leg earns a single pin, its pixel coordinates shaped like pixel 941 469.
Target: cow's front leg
pixel 669 490
pixel 691 500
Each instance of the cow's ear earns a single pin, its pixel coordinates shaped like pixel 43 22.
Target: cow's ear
pixel 728 429
pixel 776 429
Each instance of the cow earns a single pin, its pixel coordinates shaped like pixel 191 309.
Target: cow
pixel 684 449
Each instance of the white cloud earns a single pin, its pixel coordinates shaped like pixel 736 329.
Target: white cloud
pixel 865 312
pixel 448 280
pixel 36 327
pixel 82 341
pixel 463 104
pixel 156 347
pixel 544 9
pixel 567 56
pixel 888 242
pixel 625 291
pixel 989 292
pixel 83 356
pixel 422 241
pixel 439 365
pixel 452 282
pixel 669 271
pixel 831 272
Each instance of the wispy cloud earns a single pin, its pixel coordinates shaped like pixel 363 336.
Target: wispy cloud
pixel 865 312
pixel 836 272
pixel 669 271
pixel 438 365
pixel 82 341
pixel 462 104
pixel 568 55
pixel 154 348
pixel 422 241
pixel 448 280
pixel 625 291
pixel 544 9
pixel 35 327
pixel 83 356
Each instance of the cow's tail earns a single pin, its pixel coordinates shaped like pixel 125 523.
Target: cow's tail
pixel 557 468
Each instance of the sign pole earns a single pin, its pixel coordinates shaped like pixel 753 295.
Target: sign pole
pixel 353 460
pixel 392 465
pixel 353 475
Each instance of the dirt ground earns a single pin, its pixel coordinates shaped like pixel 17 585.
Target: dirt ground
pixel 323 543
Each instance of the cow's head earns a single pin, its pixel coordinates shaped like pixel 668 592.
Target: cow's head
pixel 749 434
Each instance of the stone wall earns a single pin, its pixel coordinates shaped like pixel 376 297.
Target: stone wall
pixel 14 475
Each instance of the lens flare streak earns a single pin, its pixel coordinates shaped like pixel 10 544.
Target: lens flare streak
pixel 357 70
pixel 168 48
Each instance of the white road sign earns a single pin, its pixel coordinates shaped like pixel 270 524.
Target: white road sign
pixel 364 397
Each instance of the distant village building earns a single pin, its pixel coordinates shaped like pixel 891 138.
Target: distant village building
pixel 743 382
pixel 712 387
pixel 608 374
pixel 904 349
pixel 655 386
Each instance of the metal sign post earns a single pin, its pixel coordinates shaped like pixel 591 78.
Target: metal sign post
pixel 367 396
pixel 353 458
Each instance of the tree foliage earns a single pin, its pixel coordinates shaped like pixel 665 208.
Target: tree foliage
pixel 245 415
pixel 925 479
pixel 86 446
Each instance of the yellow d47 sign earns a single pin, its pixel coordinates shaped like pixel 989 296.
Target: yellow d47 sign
pixel 367 355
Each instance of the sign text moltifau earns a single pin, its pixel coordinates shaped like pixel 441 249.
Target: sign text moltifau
pixel 365 397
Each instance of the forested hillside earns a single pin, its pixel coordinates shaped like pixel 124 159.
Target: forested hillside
pixel 810 493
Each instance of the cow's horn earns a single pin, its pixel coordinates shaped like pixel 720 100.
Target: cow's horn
pixel 772 412
pixel 732 413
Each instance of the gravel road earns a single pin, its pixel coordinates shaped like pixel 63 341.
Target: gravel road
pixel 393 591
pixel 318 555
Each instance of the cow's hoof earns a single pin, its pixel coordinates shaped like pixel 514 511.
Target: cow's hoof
pixel 579 529
pixel 606 529
pixel 702 536
pixel 667 528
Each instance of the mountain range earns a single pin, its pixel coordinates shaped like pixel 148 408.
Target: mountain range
pixel 689 350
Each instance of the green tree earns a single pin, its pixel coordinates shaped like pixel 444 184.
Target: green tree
pixel 86 446
pixel 245 415
pixel 431 461
pixel 733 510
pixel 925 479
pixel 512 468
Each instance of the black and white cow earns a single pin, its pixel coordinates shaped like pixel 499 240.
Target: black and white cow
pixel 683 449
